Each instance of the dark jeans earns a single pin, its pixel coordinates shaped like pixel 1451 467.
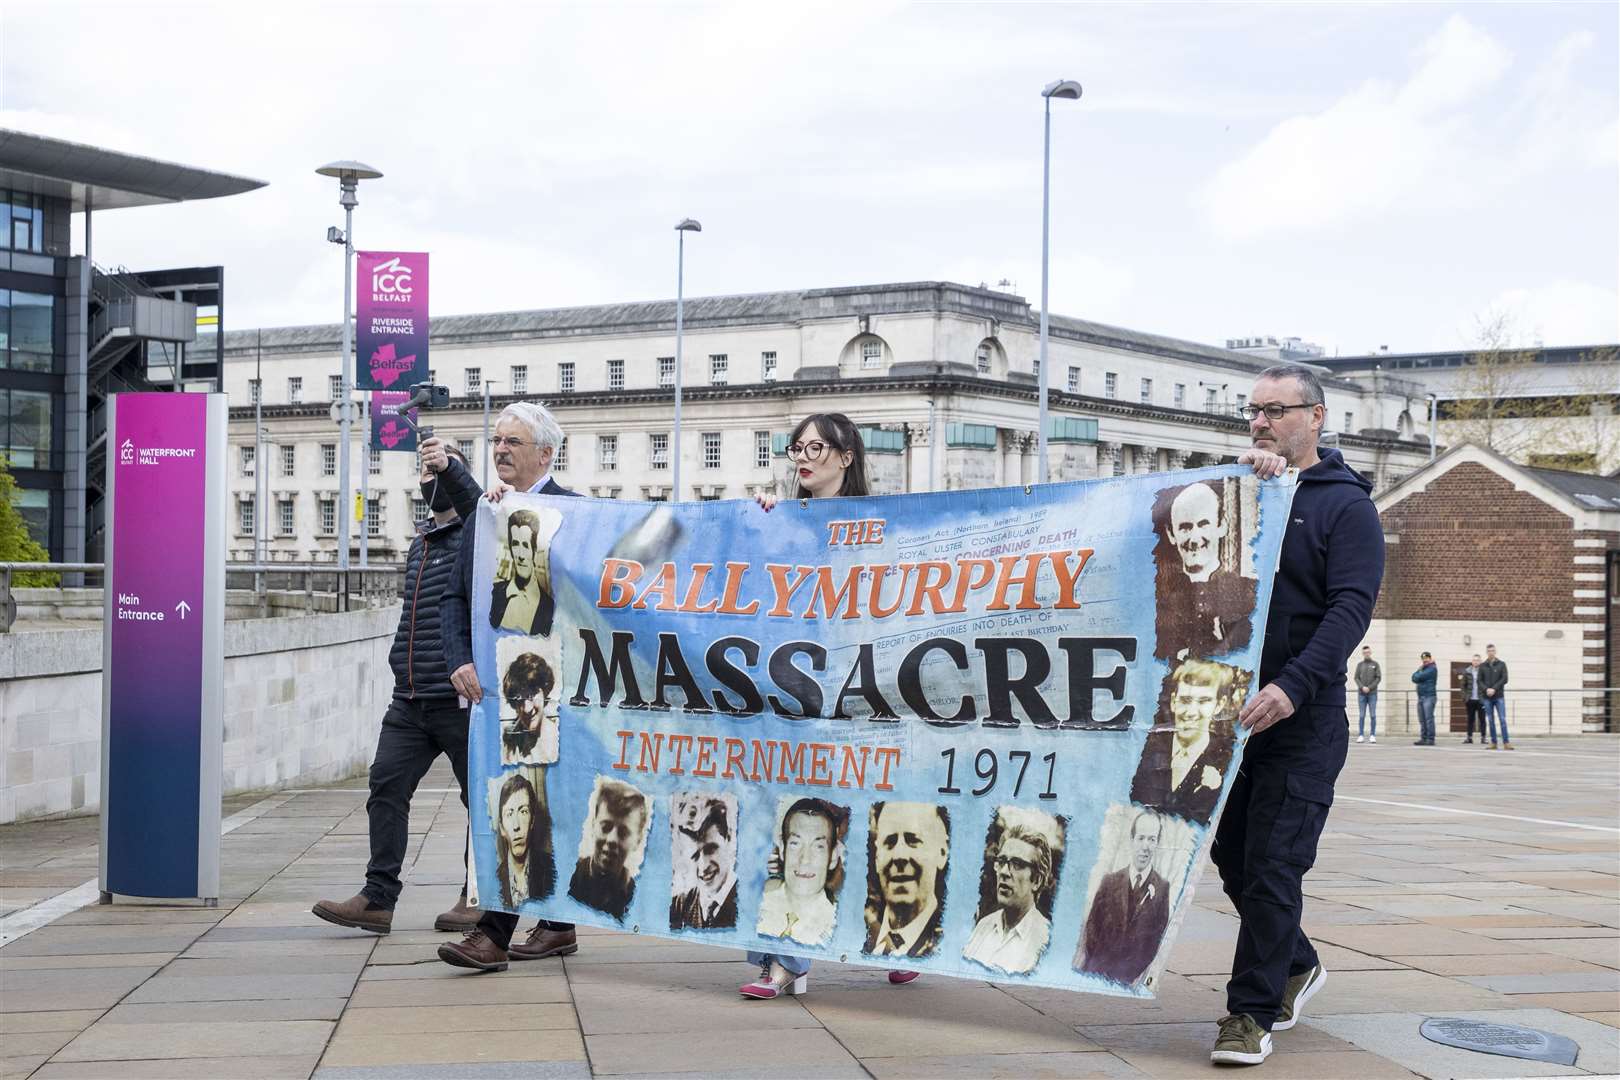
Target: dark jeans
pixel 1265 843
pixel 1426 718
pixel 1476 711
pixel 413 734
pixel 499 926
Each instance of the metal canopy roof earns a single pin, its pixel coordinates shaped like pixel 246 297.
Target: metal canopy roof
pixel 69 170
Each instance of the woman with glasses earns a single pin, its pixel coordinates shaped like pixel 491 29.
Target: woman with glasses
pixel 829 460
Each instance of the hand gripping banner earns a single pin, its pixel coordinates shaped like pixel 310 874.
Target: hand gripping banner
pixel 971 733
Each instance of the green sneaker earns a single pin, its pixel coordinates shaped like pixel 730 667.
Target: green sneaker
pixel 1241 1042
pixel 1299 990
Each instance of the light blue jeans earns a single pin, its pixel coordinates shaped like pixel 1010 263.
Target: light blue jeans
pixel 797 965
pixel 1369 711
pixel 1496 708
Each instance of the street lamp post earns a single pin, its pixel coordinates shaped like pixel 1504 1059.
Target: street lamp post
pixel 348 175
pixel 1063 88
pixel 686 225
pixel 489 451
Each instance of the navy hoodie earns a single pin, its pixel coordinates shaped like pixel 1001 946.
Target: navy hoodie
pixel 1328 577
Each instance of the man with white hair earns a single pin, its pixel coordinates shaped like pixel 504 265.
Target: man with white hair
pixel 525 443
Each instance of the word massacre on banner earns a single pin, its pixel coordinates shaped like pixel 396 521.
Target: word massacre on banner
pixel 976 733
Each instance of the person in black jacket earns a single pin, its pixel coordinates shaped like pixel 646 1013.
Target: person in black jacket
pixel 525 442
pixel 1322 598
pixel 424 719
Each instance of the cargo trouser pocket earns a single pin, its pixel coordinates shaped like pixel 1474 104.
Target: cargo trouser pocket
pixel 1300 819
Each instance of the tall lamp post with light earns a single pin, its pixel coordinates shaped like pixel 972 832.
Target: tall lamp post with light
pixel 348 175
pixel 686 225
pixel 1069 89
pixel 489 451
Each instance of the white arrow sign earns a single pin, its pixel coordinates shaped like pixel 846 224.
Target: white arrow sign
pixel 182 607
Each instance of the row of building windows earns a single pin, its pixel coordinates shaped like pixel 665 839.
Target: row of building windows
pixel 22 221
pixel 25 330
pixel 326 513
pixel 25 428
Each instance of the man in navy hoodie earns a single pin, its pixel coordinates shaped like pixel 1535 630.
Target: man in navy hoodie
pixel 1321 603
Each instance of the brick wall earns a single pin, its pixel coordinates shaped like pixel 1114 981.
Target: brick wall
pixel 1471 547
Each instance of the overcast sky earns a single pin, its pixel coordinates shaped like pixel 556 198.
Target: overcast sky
pixel 1359 176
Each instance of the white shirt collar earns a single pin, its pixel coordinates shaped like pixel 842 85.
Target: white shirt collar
pixel 545 478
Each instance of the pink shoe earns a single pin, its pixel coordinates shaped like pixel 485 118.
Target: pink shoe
pixel 768 989
pixel 900 978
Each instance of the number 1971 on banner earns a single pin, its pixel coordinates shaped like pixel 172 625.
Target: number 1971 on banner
pixel 987 767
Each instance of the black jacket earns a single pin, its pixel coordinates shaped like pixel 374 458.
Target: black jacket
pixel 417 655
pixel 1327 580
pixel 1493 676
pixel 455 626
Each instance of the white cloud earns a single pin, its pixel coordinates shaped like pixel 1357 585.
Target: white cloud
pixel 1454 130
pixel 1559 313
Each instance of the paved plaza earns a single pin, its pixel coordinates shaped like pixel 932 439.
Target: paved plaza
pixel 1452 882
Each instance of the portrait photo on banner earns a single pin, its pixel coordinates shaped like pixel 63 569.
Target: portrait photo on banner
pixel 805 871
pixel 1023 858
pixel 1205 579
pixel 908 848
pixel 520 597
pixel 1142 861
pixel 527 669
pixel 612 846
pixel 520 821
pixel 703 861
pixel 1194 733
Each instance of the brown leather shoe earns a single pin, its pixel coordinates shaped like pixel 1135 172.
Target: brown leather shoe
pixel 543 942
pixel 460 919
pixel 357 911
pixel 474 951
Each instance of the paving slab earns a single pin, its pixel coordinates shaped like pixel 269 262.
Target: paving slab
pixel 461 1070
pixel 450 1047
pixel 467 989
pixel 1395 1036
pixel 78 988
pixel 1061 1065
pixel 941 1017
pixel 106 1041
pixel 208 1012
pixel 790 1053
pixel 1598 981
pixel 279 1067
pixel 167 987
pixel 65 1020
pixel 9 963
pixel 1180 1050
pixel 1539 963
pixel 429 1018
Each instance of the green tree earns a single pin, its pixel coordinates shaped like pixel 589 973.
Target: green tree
pixel 15 543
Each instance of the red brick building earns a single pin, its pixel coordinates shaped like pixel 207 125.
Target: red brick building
pixel 1483 551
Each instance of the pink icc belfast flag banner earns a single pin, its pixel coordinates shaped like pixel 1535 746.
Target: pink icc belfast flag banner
pixel 391 342
pixel 979 733
pixel 391 427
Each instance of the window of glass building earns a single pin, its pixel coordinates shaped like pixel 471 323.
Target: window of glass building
pixel 35 508
pixel 25 427
pixel 762 449
pixel 25 330
pixel 25 229
pixel 565 377
pixel 666 371
pixel 658 445
pixel 615 374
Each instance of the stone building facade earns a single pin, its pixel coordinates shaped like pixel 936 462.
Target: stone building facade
pixel 941 377
pixel 1483 551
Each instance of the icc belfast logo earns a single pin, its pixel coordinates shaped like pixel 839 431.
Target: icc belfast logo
pixel 130 454
pixel 391 282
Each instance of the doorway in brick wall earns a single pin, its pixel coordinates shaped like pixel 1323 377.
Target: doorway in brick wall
pixel 1458 713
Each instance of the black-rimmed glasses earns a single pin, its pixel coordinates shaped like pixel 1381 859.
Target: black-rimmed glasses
pixel 1272 410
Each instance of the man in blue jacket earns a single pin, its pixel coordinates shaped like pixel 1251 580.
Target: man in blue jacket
pixel 424 719
pixel 525 443
pixel 1321 603
pixel 1425 677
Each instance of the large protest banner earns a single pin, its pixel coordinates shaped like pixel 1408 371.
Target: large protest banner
pixel 976 733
